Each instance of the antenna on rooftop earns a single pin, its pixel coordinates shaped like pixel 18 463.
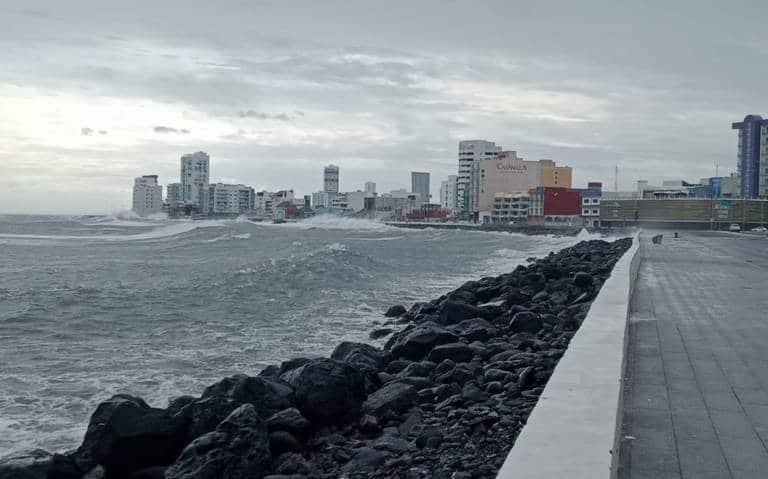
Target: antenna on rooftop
pixel 616 179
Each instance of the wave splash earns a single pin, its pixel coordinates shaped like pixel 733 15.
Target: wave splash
pixel 333 222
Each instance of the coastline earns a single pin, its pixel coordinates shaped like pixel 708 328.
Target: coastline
pixel 461 371
pixel 525 229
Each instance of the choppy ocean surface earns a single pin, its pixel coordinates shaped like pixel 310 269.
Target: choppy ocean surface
pixel 94 306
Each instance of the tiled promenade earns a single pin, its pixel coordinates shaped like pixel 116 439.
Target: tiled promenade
pixel 696 396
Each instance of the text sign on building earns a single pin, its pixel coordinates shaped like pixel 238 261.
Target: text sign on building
pixel 512 167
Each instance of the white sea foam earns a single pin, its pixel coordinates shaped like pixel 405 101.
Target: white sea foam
pixel 167 230
pixel 126 218
pixel 385 238
pixel 337 247
pixel 229 237
pixel 339 223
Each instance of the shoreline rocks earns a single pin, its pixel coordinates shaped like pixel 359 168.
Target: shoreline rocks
pixel 445 397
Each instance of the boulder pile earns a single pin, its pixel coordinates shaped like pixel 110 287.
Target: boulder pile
pixel 445 397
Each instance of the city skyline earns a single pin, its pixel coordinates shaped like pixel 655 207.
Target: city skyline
pixel 84 113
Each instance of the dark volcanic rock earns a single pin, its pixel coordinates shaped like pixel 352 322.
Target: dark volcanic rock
pixel 396 310
pixel 396 397
pixel 476 329
pixel 515 296
pixel 525 322
pixel 283 441
pixel 292 364
pixel 420 369
pixel 327 390
pixel 456 352
pixel 364 357
pixel 365 459
pixel 125 434
pixel 157 472
pixel 267 396
pixel 380 333
pixel 582 279
pixel 417 342
pixel 397 365
pixel 288 420
pixel 237 449
pixel 527 378
pixel 30 465
pixel 452 312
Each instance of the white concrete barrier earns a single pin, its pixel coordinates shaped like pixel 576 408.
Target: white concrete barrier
pixel 574 430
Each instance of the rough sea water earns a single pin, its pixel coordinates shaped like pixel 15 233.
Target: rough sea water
pixel 94 306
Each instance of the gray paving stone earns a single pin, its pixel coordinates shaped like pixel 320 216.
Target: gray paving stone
pixel 737 474
pixel 733 424
pixel 751 396
pixel 758 415
pixel 691 426
pixel 701 456
pixel 650 396
pixel 638 473
pixel 659 419
pixel 745 454
pixel 721 400
pixel 652 437
pixel 654 458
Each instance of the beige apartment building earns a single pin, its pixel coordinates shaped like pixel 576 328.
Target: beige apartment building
pixel 508 174
pixel 554 176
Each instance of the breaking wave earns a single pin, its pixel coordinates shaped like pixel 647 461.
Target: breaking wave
pixel 332 222
pixel 166 230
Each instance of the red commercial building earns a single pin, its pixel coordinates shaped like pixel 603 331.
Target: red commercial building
pixel 562 202
pixel 555 206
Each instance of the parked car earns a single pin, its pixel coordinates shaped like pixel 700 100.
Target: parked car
pixel 760 229
pixel 734 227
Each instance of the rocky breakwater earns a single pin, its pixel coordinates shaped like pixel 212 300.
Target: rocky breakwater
pixel 445 397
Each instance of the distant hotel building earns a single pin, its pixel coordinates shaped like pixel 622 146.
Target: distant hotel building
pixel 370 189
pixel 230 199
pixel 471 151
pixel 508 175
pixel 173 194
pixel 753 156
pixel 420 185
pixel 331 179
pixel 448 193
pixel 147 195
pixel 195 176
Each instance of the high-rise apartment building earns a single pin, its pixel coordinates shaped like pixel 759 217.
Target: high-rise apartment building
pixel 370 189
pixel 753 156
pixel 331 179
pixel 173 194
pixel 147 195
pixel 420 185
pixel 195 174
pixel 471 151
pixel 448 193
pixel 230 199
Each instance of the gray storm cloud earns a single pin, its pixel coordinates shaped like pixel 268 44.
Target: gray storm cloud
pixel 378 88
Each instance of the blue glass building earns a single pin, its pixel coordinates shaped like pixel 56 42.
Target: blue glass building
pixel 753 133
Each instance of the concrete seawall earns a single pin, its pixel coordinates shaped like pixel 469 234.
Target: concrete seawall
pixel 574 430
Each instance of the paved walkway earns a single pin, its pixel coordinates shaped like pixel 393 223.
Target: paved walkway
pixel 696 396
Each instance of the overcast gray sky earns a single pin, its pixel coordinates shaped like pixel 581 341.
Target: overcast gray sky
pixel 94 93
